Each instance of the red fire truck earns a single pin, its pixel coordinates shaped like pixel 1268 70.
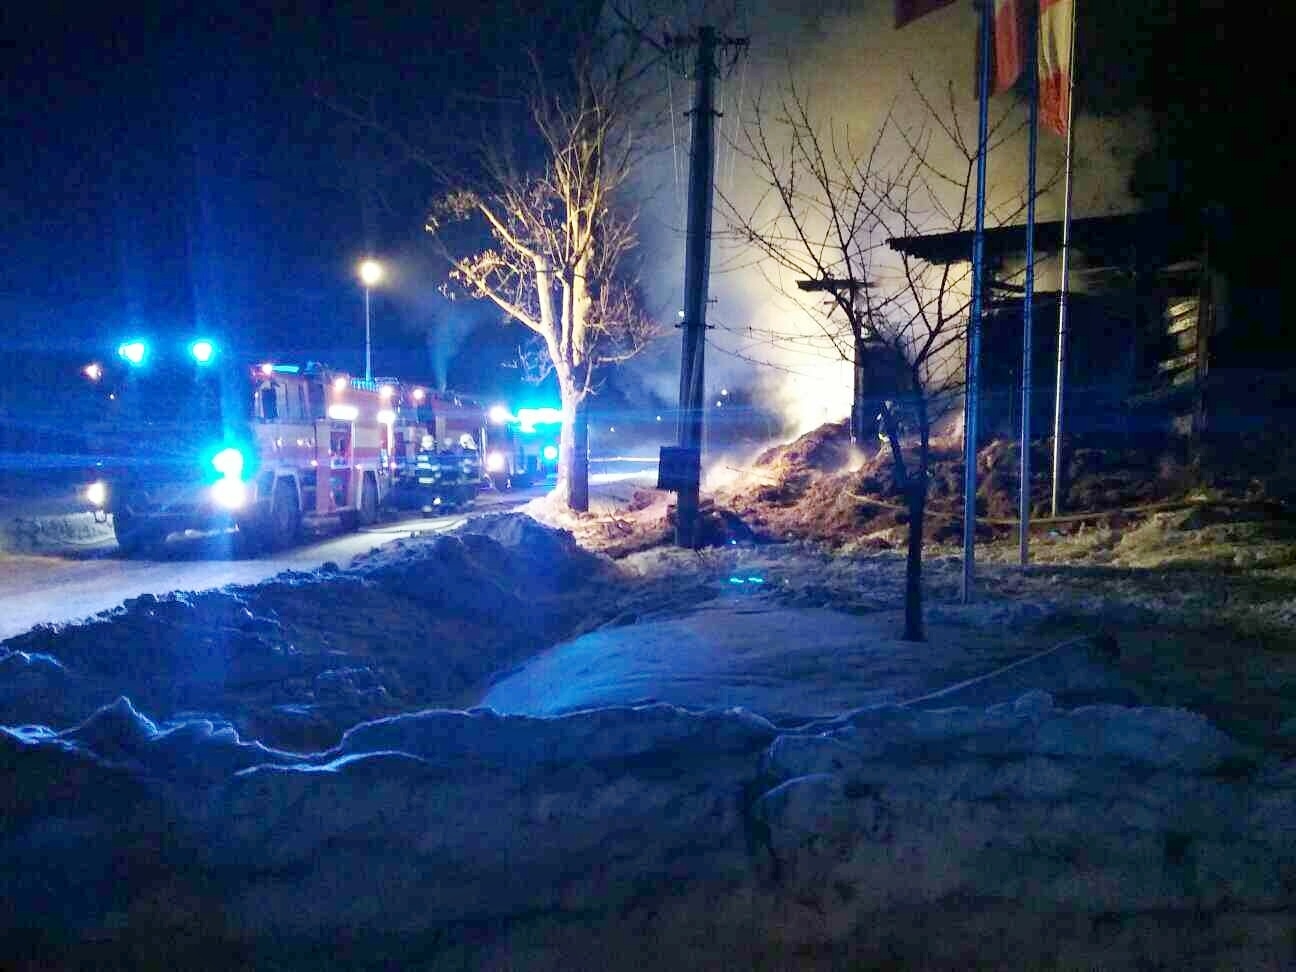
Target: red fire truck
pixel 522 448
pixel 190 441
pixel 437 443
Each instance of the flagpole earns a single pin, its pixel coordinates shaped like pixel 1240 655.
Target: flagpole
pixel 1028 297
pixel 973 369
pixel 1060 387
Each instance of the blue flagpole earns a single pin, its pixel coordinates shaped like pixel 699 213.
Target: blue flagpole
pixel 1059 391
pixel 1028 298
pixel 972 373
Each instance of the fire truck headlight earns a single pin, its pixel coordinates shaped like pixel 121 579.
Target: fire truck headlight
pixel 133 351
pixel 498 415
pixel 229 463
pixel 202 351
pixel 495 462
pixel 550 453
pixel 96 493
pixel 229 493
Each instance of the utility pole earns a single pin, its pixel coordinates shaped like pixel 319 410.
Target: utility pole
pixel 846 290
pixel 972 375
pixel 697 264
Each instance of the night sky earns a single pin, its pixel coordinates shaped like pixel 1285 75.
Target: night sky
pixel 169 168
pixel 172 168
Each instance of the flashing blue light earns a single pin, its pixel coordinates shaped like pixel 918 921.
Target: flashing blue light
pixel 755 580
pixel 133 351
pixel 529 418
pixel 551 452
pixel 229 463
pixel 736 580
pixel 202 351
pixel 287 369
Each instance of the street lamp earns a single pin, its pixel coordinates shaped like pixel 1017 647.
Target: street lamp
pixel 371 274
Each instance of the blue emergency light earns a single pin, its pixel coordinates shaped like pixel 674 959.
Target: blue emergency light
pixel 133 351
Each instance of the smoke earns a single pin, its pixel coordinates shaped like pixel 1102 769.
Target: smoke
pixel 853 67
pixel 412 289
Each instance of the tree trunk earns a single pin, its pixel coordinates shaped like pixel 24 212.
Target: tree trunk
pixel 579 499
pixel 916 492
pixel 858 409
pixel 917 497
pixel 572 488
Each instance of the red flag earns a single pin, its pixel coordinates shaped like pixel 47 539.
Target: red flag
pixel 907 11
pixel 1010 27
pixel 1057 25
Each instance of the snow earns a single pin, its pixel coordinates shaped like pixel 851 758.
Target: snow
pixel 621 821
pixel 298 659
pixel 57 532
pixel 789 664
pixel 46 512
pixel 446 756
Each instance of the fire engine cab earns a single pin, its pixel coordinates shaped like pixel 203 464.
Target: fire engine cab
pixel 522 448
pixel 190 441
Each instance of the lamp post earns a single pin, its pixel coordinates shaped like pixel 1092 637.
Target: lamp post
pixel 371 274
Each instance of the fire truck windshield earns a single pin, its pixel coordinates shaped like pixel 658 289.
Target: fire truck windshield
pixel 170 397
pixel 172 407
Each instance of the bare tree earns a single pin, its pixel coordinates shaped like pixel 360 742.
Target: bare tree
pixel 825 212
pixel 560 242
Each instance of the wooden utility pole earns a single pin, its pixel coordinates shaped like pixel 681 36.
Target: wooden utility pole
pixel 844 291
pixel 686 463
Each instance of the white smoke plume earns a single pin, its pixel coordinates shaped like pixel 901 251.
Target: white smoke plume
pixel 853 67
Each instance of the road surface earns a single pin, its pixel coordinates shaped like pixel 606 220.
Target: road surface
pixel 37 589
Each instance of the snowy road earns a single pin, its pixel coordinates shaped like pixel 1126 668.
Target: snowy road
pixel 38 589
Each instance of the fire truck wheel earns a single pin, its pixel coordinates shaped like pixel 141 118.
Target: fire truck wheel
pixel 134 537
pixel 285 516
pixel 368 501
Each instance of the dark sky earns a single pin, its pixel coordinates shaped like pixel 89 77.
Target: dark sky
pixel 169 168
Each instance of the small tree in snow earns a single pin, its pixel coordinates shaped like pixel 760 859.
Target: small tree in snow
pixel 827 208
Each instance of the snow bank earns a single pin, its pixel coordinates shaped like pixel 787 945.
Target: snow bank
pixel 32 534
pixel 296 660
pixel 652 837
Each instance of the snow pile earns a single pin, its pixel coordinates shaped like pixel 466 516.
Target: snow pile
pixel 34 534
pixel 652 837
pixel 410 826
pixel 1034 827
pixel 42 510
pixel 298 659
pixel 744 649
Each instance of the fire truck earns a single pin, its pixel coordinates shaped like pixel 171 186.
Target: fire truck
pixel 522 447
pixel 437 441
pixel 192 441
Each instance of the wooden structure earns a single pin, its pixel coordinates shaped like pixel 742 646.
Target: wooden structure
pixel 1150 321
